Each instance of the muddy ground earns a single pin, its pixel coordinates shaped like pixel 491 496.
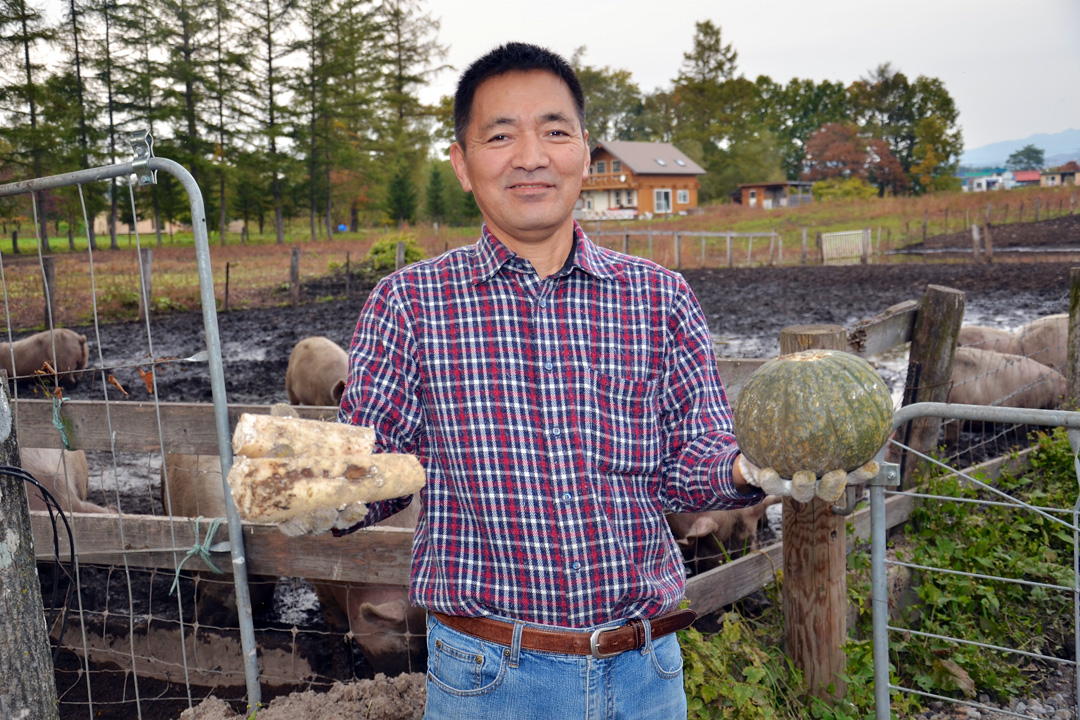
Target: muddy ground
pixel 746 309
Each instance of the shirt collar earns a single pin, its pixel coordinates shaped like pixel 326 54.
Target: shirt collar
pixel 492 255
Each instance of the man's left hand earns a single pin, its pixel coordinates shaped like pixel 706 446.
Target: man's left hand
pixel 804 485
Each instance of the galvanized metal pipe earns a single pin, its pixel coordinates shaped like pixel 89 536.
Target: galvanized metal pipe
pixel 221 420
pixel 879 599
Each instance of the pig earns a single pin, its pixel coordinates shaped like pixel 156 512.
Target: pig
pixel 708 539
pixel 194 489
pixel 985 377
pixel 33 352
pixel 316 372
pixel 985 338
pixel 64 473
pixel 1045 340
pixel 388 629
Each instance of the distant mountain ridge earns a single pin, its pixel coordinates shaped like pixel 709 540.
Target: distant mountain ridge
pixel 1059 148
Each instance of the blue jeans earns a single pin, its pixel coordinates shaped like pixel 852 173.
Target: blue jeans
pixel 473 679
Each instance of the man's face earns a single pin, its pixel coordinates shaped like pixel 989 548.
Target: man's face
pixel 524 156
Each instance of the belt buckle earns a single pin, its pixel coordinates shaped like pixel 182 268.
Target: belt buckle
pixel 594 645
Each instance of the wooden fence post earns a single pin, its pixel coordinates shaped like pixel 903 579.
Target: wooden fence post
pixel 930 362
pixel 814 591
pixel 294 276
pixel 146 256
pixel 626 243
pixel 820 249
pixel 677 242
pixel 399 255
pixel 802 254
pixel 1072 362
pixel 15 241
pixel 730 255
pixel 975 243
pixel 29 688
pixel 865 255
pixel 48 282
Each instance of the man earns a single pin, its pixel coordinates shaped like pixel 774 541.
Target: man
pixel 562 398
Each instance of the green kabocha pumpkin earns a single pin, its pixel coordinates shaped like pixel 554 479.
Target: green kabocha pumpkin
pixel 817 410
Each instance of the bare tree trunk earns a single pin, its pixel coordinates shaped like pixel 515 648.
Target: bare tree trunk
pixel 29 688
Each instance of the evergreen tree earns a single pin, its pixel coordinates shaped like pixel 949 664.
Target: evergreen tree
pixel 269 23
pixel 436 194
pixel 24 37
pixel 401 194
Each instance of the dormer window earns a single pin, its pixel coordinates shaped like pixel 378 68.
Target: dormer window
pixel 661 162
pixel 616 166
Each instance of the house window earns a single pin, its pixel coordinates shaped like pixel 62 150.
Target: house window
pixel 683 197
pixel 753 198
pixel 616 166
pixel 679 162
pixel 660 162
pixel 601 167
pixel 662 201
pixel 618 198
pixel 588 203
pixel 630 198
pixel 592 169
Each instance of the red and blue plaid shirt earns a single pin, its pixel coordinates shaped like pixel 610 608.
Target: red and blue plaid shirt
pixel 558 419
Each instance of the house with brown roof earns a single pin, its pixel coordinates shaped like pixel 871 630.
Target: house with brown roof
pixel 771 195
pixel 638 179
pixel 1056 177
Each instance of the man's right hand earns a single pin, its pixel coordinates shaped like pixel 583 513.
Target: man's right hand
pixel 323 520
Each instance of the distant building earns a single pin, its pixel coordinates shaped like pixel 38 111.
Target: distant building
pixel 1064 175
pixel 638 179
pixel 767 196
pixel 1024 178
pixel 987 180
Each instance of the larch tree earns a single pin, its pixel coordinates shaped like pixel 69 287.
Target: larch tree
pixel 269 24
pixel 24 39
pixel 411 51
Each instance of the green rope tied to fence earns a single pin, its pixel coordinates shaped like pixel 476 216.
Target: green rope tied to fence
pixel 201 549
pixel 58 422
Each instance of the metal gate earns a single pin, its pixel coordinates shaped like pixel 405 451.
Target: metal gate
pixel 144 167
pixel 884 485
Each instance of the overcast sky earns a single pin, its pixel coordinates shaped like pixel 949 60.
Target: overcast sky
pixel 1012 66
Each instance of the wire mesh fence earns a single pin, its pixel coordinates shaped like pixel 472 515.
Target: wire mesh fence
pixel 982 579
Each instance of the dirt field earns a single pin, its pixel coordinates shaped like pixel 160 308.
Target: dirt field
pixel 746 309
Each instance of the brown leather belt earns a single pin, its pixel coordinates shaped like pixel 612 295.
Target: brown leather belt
pixel 602 643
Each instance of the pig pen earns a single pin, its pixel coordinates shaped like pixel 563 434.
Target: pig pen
pixel 746 309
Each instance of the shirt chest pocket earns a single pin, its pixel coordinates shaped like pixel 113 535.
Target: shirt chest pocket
pixel 624 433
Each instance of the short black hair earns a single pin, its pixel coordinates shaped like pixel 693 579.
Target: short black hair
pixel 511 57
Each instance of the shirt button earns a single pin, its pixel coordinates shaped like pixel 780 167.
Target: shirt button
pixel 549 365
pixel 543 303
pixel 556 431
pixel 567 496
pixel 575 565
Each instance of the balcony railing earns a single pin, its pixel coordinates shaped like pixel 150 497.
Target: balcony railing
pixel 610 180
